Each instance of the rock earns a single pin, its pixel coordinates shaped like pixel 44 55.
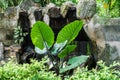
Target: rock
pixel 25 6
pixel 38 15
pixel 86 9
pixel 6 34
pixel 65 7
pixel 31 15
pixel 46 19
pixel 54 12
pixel 111 52
pixel 12 12
pixel 8 22
pixel 1 51
pixel 105 32
pixel 46 9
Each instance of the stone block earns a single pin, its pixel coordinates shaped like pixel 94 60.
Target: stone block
pixel 105 32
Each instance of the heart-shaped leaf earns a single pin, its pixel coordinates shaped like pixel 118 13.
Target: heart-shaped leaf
pixel 69 32
pixel 42 35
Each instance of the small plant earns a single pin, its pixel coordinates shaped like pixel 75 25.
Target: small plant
pixel 38 71
pixel 34 71
pixel 104 73
pixel 19 35
pixel 43 38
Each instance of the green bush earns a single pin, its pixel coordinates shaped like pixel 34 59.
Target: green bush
pixel 37 71
pixel 108 8
pixel 34 71
pixel 104 73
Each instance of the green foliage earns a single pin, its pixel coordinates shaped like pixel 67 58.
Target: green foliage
pixel 57 2
pixel 43 38
pixel 34 71
pixel 19 35
pixel 4 4
pixel 38 71
pixel 108 8
pixel 74 62
pixel 68 49
pixel 105 73
pixel 69 32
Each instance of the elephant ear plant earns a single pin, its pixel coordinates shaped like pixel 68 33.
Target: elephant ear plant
pixel 44 40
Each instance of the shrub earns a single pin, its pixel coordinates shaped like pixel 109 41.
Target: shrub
pixel 108 8
pixel 34 71
pixel 38 71
pixel 104 73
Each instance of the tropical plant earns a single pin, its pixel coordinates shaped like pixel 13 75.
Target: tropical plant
pixel 43 38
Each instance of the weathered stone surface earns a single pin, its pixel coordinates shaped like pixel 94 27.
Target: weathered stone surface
pixel 12 12
pixel 31 15
pixel 8 22
pixel 1 51
pixel 111 52
pixel 45 10
pixel 38 15
pixel 65 7
pixel 6 34
pixel 54 12
pixel 105 32
pixel 86 9
pixel 25 6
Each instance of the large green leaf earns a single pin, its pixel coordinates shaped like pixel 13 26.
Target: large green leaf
pixel 74 62
pixel 42 35
pixel 78 59
pixel 69 32
pixel 68 49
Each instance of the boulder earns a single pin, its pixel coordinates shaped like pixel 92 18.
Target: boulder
pixel 54 12
pixel 65 7
pixel 86 9
pixel 105 33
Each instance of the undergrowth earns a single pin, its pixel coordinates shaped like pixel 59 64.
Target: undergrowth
pixel 38 71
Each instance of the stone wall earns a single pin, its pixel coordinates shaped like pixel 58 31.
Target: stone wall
pixel 8 21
